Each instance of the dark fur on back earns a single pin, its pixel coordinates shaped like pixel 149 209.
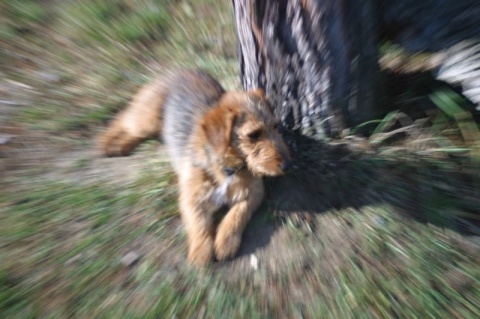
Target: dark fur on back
pixel 193 93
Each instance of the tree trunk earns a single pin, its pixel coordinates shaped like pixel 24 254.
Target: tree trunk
pixel 316 59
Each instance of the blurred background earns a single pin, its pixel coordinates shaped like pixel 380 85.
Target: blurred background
pixel 387 227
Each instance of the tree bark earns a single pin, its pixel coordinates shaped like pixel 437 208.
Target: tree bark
pixel 316 59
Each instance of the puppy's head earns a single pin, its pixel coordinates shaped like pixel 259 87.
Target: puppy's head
pixel 217 127
pixel 242 130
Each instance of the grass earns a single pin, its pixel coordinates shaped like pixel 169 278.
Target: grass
pixel 64 245
pixel 129 42
pixel 364 228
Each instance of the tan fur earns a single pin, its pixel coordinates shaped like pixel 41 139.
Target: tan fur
pixel 232 143
pixel 140 121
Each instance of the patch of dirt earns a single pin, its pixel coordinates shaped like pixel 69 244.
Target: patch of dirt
pixel 41 155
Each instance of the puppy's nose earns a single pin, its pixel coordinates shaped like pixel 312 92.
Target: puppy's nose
pixel 286 165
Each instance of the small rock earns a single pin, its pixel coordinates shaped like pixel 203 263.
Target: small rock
pixel 380 221
pixel 254 262
pixel 130 259
pixel 49 76
pixel 5 138
pixel 74 259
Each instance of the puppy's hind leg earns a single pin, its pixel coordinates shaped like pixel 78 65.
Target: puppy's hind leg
pixel 118 142
pixel 141 120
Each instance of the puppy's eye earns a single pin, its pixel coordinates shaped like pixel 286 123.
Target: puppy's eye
pixel 255 135
pixel 275 126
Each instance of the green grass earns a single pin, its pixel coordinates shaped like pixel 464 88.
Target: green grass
pixel 63 244
pixel 129 42
pixel 382 237
pixel 116 21
pixel 62 240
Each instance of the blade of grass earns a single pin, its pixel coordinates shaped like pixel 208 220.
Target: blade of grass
pixel 450 103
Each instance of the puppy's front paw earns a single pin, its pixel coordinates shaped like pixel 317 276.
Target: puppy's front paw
pixel 200 252
pixel 227 243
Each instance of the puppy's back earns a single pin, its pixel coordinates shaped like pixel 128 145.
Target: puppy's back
pixel 168 106
pixel 190 94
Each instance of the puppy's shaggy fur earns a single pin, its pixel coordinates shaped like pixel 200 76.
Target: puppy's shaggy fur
pixel 220 144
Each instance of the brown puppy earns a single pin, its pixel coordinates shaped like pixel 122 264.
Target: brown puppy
pixel 220 144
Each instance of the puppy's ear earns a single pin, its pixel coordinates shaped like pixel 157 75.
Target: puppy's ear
pixel 217 125
pixel 260 94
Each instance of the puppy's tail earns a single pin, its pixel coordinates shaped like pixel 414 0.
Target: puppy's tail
pixel 141 120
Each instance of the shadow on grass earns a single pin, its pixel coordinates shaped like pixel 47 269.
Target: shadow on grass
pixel 444 192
